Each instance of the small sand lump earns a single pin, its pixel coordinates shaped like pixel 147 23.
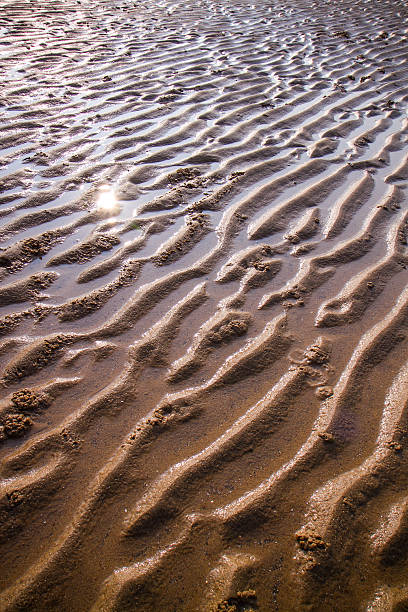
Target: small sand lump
pixel 16 425
pixel 239 603
pixel 310 541
pixel 27 400
pixel 324 392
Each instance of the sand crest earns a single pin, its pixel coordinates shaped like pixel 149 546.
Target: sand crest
pixel 203 306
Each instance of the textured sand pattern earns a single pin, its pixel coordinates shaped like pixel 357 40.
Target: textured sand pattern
pixel 203 306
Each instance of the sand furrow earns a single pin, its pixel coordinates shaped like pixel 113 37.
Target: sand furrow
pixel 187 192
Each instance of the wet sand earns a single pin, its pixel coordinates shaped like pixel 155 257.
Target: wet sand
pixel 204 306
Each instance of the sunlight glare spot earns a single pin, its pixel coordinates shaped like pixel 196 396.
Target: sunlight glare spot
pixel 107 198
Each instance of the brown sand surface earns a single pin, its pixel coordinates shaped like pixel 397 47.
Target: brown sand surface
pixel 203 305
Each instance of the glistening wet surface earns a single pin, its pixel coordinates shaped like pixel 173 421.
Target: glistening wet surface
pixel 203 306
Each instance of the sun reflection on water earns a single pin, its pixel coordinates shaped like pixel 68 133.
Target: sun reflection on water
pixel 107 200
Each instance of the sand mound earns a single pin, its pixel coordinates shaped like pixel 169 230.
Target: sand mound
pixel 203 309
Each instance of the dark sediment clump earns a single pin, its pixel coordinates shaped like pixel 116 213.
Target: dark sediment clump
pixel 16 421
pixel 309 541
pixel 183 174
pixel 15 425
pixel 243 601
pixel 27 400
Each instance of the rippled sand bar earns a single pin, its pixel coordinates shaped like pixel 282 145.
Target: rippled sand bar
pixel 203 306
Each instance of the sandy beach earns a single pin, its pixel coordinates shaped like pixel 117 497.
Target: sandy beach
pixel 203 306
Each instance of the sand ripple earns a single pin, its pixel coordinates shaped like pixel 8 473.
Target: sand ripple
pixel 203 309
